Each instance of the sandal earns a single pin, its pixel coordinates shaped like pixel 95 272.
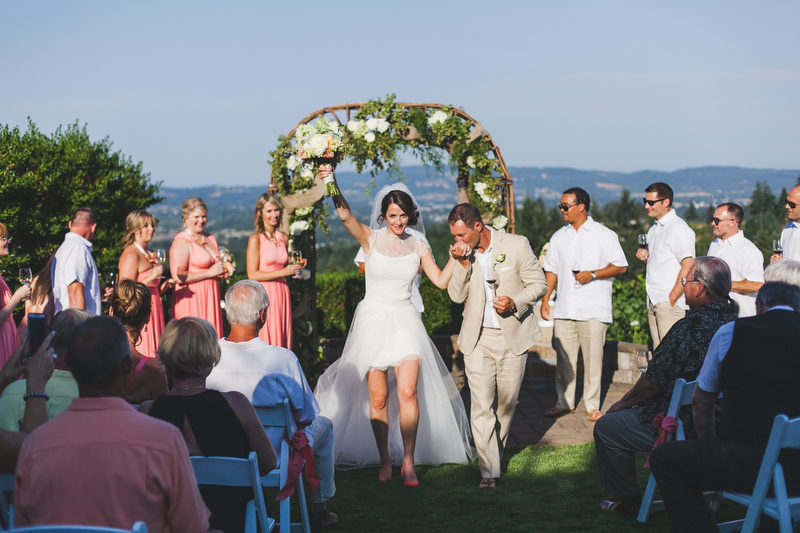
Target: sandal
pixel 594 416
pixel 487 483
pixel 558 411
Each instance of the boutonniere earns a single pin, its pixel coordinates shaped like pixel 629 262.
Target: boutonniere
pixel 500 258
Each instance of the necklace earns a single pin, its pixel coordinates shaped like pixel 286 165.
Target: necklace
pixel 147 255
pixel 271 237
pixel 194 237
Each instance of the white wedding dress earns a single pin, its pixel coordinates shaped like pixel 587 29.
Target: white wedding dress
pixel 387 330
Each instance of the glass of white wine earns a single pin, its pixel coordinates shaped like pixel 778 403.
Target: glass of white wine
pixel 297 257
pixel 25 276
pixel 161 256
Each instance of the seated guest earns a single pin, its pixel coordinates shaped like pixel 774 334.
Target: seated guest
pixel 214 424
pixel 787 271
pixel 62 387
pixel 266 375
pixel 101 463
pixel 757 376
pixel 37 371
pixel 627 427
pixel 131 303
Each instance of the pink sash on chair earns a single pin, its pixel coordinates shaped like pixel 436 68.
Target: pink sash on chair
pixel 666 425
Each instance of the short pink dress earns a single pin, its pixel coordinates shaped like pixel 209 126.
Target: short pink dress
pixel 278 329
pixel 8 329
pixel 199 299
pixel 151 334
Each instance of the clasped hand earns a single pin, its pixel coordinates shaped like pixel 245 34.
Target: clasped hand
pixel 460 251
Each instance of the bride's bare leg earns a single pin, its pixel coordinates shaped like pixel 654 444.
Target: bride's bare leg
pixel 407 374
pixel 379 419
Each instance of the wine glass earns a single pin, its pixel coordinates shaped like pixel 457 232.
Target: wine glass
pixel 160 256
pixel 777 247
pixel 111 280
pixel 575 270
pixel 643 241
pixel 643 360
pixel 25 276
pixel 297 257
pixel 492 278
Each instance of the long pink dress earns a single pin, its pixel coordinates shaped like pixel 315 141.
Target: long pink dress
pixel 278 329
pixel 151 334
pixel 8 329
pixel 199 299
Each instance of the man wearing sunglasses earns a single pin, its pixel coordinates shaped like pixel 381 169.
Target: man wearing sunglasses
pixel 669 254
pixel 790 236
pixel 583 257
pixel 743 257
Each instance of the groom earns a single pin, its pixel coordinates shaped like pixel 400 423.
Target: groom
pixel 495 335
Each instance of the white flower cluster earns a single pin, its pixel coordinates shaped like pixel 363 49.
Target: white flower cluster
pixel 365 128
pixel 471 162
pixel 318 140
pixel 296 228
pixel 499 222
pixel 480 187
pixel 307 171
pixel 437 117
pixel 303 211
pixel 634 323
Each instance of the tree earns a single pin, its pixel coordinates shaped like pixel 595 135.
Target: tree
pixel 44 179
pixel 710 213
pixel 691 212
pixel 766 218
pixel 628 218
pixel 538 223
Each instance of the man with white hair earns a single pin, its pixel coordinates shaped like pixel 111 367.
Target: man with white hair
pixel 268 374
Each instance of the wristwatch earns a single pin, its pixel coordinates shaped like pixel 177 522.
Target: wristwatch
pixel 594 276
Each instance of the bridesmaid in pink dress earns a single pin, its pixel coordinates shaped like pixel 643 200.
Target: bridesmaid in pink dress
pixel 138 263
pixel 267 259
pixel 194 265
pixel 8 302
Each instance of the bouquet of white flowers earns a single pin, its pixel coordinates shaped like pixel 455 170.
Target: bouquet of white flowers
pixel 227 260
pixel 318 144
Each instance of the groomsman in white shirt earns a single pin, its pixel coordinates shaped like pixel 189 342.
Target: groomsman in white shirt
pixel 669 255
pixel 582 258
pixel 790 236
pixel 743 257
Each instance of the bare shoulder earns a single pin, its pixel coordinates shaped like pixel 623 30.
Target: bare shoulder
pixel 254 239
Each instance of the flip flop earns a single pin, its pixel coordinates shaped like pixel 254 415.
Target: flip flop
pixel 487 483
pixel 594 416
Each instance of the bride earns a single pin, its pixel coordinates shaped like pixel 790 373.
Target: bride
pixel 390 379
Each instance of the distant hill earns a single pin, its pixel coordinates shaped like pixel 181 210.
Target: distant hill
pixel 231 207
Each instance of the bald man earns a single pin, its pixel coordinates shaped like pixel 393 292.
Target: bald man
pixel 790 236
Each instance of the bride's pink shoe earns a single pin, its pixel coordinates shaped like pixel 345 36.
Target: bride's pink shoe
pixel 406 482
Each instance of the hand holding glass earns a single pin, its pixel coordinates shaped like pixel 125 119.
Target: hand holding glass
pixel 777 247
pixel 25 276
pixel 297 257
pixel 160 256
pixel 492 278
pixel 643 360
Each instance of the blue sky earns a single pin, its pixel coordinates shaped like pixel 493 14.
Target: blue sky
pixel 199 91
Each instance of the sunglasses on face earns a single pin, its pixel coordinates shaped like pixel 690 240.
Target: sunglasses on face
pixel 565 207
pixel 716 220
pixel 791 204
pixel 651 203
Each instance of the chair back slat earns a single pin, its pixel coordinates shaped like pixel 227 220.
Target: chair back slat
pixel 279 415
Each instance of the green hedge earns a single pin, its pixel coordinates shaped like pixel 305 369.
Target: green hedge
pixel 339 293
pixel 629 309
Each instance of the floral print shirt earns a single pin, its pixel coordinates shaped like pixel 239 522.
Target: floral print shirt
pixel 681 355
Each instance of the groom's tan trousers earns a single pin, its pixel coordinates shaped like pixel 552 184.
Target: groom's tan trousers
pixel 495 376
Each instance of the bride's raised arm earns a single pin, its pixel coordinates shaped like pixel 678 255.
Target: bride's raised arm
pixel 358 230
pixel 441 278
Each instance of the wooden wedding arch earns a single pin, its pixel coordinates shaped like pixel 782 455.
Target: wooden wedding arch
pixel 476 131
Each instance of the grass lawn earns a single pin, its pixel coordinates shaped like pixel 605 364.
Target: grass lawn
pixel 545 489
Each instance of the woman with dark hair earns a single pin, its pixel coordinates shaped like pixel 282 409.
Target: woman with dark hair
pixel 131 304
pixel 40 301
pixel 140 264
pixel 390 380
pixel 214 423
pixel 267 258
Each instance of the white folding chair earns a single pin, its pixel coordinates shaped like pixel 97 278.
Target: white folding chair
pixel 235 472
pixel 281 416
pixel 681 395
pixel 785 434
pixel 6 504
pixel 138 527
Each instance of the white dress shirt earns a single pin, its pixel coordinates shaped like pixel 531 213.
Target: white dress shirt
pixel 486 260
pixel 746 263
pixel 592 247
pixel 266 374
pixel 670 240
pixel 790 240
pixel 74 262
pixel 708 378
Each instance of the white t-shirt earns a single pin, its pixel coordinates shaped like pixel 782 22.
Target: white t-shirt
pixel 746 263
pixel 74 262
pixel 266 375
pixel 592 247
pixel 670 240
pixel 790 240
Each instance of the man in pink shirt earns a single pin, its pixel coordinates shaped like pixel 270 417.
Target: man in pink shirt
pixel 101 463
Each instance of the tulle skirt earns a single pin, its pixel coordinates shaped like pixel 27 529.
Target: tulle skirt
pixel 383 335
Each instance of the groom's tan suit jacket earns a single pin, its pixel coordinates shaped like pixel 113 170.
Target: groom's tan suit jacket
pixel 520 278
